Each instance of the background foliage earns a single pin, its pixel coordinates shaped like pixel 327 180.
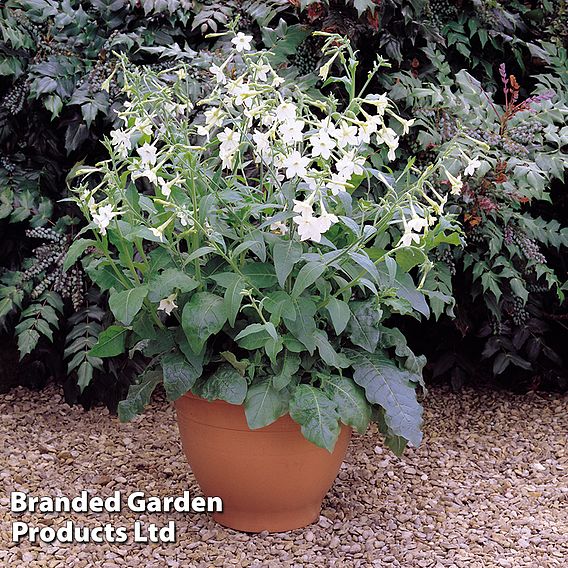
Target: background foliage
pixel 59 86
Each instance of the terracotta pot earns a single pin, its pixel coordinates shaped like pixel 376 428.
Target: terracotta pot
pixel 269 479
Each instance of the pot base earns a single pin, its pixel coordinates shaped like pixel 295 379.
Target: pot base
pixel 270 479
pixel 273 522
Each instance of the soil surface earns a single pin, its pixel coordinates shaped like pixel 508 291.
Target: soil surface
pixel 487 488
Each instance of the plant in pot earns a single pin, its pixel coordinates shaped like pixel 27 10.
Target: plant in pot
pixel 256 256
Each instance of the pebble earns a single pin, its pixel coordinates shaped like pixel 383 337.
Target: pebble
pixel 487 487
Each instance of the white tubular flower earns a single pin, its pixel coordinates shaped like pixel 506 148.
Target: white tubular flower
pixel 148 173
pixel 261 71
pixel 406 124
pixel 279 227
pixel 242 42
pixel 303 208
pixel 309 228
pixel 346 135
pixel 103 217
pixel 285 112
pixel 214 116
pixel 147 153
pixel 168 304
pixel 408 238
pixel 380 102
pixel 455 182
pixel 144 125
pixel 472 165
pixel 337 183
pixel 322 145
pixel 229 139
pixel 218 73
pixel 121 142
pixel 388 136
pixel 366 130
pixel 291 131
pixel 349 165
pixel 261 139
pixel 296 165
pixel 328 127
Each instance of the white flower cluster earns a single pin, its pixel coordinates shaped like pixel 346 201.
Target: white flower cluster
pixel 291 142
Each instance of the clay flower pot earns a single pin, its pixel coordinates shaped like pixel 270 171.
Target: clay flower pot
pixel 269 479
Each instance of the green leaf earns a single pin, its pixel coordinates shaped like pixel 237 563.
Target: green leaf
pixel 260 274
pixel 340 314
pixel 287 366
pixel 125 305
pixel 308 274
pixel 240 366
pixel 278 303
pixel 350 400
pixel 225 384
pixel 180 374
pixel 303 326
pixel 363 325
pixel 286 254
pixel 76 249
pixel 139 395
pixel 233 299
pixel 204 315
pixel 328 353
pixel 264 405
pixel 391 388
pixel 317 415
pixel 169 280
pixel 111 342
pixel 84 375
pixel 27 341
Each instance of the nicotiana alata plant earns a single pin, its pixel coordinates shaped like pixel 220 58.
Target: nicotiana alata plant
pixel 257 254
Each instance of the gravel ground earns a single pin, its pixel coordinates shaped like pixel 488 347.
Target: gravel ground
pixel 488 488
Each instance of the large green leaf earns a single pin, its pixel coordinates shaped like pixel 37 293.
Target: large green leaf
pixel 125 305
pixel 301 323
pixel 352 405
pixel 138 396
pixel 111 342
pixel 286 255
pixel 317 415
pixel 203 316
pixel 27 341
pixel 340 314
pixel 169 280
pixel 328 354
pixel 392 389
pixel 278 303
pixel 260 274
pixel 287 366
pixel 233 298
pixel 264 404
pixel 227 384
pixel 76 249
pixel 308 274
pixel 180 374
pixel 363 325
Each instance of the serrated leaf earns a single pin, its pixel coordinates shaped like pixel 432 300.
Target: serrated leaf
pixel 125 305
pixel 286 254
pixel 180 374
pixel 27 341
pixel 225 384
pixel 204 315
pixel 111 342
pixel 264 405
pixel 350 400
pixel 317 415
pixel 392 389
